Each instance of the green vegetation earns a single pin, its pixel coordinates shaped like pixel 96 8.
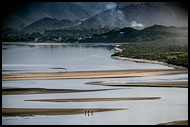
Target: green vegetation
pixel 101 35
pixel 149 34
pixel 172 51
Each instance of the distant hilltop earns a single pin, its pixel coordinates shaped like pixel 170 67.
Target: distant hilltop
pixel 40 16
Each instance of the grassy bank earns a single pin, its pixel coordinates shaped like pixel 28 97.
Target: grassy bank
pixel 171 51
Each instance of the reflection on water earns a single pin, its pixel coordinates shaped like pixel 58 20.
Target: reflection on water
pixel 72 57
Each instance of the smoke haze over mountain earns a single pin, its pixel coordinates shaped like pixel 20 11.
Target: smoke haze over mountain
pixel 111 14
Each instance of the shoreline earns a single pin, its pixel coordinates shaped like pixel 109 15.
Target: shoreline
pixel 117 49
pixel 180 122
pixel 91 74
pixel 148 61
pixel 37 43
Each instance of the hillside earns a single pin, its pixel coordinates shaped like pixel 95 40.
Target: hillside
pixel 180 31
pixel 168 45
pixel 101 35
pixel 97 15
pixel 33 11
pixel 47 24
pixel 162 13
pixel 172 52
pixel 153 33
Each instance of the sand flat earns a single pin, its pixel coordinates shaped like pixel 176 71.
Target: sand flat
pixel 181 122
pixel 44 111
pixel 183 84
pixel 20 91
pixel 96 99
pixel 91 74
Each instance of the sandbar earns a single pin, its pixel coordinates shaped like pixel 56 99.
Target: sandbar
pixel 17 91
pixel 182 84
pixel 96 99
pixel 91 74
pixel 44 111
pixel 181 122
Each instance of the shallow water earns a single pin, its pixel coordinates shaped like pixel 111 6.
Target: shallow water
pixel 23 58
pixel 80 83
pixel 172 106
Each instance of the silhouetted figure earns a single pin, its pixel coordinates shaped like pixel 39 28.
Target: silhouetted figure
pixel 88 113
pixel 85 112
pixel 91 113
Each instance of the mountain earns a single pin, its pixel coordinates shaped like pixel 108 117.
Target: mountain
pixel 111 18
pixel 100 14
pixel 13 22
pixel 162 13
pixel 180 31
pixel 108 19
pixel 47 24
pixel 33 11
pixel 152 33
pixel 138 16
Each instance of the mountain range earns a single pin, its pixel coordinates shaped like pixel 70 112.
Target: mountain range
pixel 42 16
pixel 152 33
pixel 117 35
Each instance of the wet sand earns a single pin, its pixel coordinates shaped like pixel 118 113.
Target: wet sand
pixel 182 84
pixel 91 74
pixel 181 122
pixel 59 68
pixel 96 99
pixel 17 91
pixel 43 111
